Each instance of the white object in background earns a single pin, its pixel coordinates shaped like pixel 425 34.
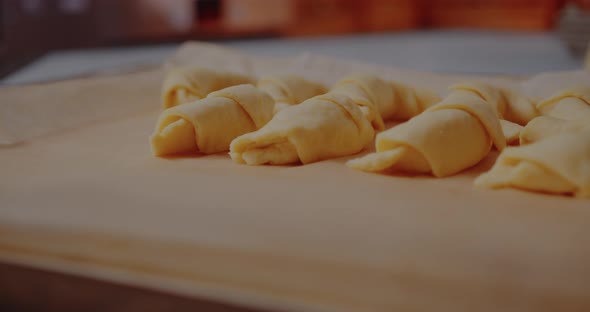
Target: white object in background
pixel 474 52
pixel 73 6
pixel 178 14
pixel 256 14
pixel 547 84
pixel 32 7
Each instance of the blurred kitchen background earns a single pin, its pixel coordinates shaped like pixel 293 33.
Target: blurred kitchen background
pixel 31 28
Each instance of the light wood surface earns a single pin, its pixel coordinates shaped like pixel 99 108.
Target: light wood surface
pixel 320 235
pixel 92 201
pixel 29 289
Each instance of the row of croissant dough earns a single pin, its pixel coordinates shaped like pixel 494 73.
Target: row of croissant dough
pixel 286 119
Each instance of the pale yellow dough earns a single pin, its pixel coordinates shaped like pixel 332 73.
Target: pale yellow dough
pixel 451 136
pixel 187 84
pixel 372 94
pixel 543 127
pixel 559 164
pixel 569 104
pixel 511 131
pixel 510 105
pixel 287 90
pixel 381 100
pixel 520 109
pixel 514 109
pixel 326 126
pixel 209 125
pixel 408 102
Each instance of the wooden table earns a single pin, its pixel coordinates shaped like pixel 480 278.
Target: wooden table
pixel 29 289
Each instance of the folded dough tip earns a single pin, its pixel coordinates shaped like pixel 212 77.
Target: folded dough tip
pixel 559 164
pixel 176 137
pixel 580 92
pixel 372 94
pixel 401 158
pixel 511 131
pixel 187 84
pixel 489 93
pixel 276 154
pixel 376 162
pixel 244 150
pixel 544 127
pixel 526 176
pixel 323 127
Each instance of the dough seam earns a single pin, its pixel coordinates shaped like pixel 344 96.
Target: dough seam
pixel 362 87
pixel 485 127
pixel 287 91
pixel 502 98
pixel 418 103
pixel 541 165
pixel 242 108
pixel 559 99
pixel 284 91
pixel 346 112
pixel 402 144
pixel 509 183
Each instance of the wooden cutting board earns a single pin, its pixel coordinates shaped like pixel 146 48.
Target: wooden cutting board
pixel 92 201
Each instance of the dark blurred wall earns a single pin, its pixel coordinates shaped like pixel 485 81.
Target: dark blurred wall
pixel 31 24
pixel 49 24
pixel 29 27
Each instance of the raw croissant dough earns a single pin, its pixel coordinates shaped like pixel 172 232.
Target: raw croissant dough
pixel 511 131
pixel 568 104
pixel 545 126
pixel 187 84
pixel 381 101
pixel 558 164
pixel 408 102
pixel 448 137
pixel 372 94
pixel 339 123
pixel 510 105
pixel 210 124
pixel 287 90
pixel 325 126
pixel 514 110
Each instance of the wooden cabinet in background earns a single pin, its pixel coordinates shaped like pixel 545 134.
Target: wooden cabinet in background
pixel 320 17
pixel 384 15
pixel 492 14
pixel 317 17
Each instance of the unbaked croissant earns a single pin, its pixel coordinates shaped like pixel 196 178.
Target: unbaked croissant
pixel 569 104
pixel 187 84
pixel 408 102
pixel 510 105
pixel 520 109
pixel 372 94
pixel 514 109
pixel 543 127
pixel 325 126
pixel 209 125
pixel 511 131
pixel 558 164
pixel 381 100
pixel 289 90
pixel 448 137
